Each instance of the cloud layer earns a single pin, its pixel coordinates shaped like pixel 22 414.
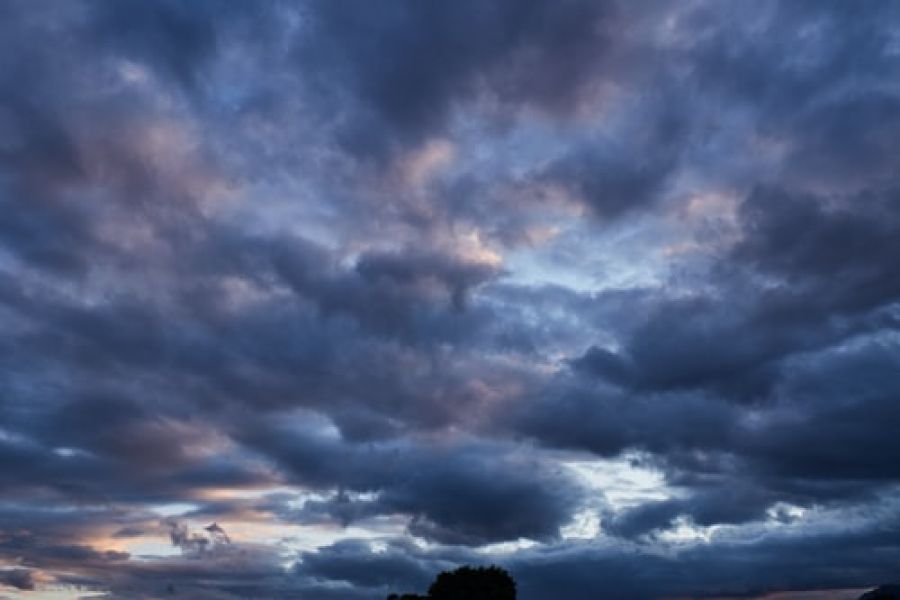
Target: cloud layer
pixel 317 299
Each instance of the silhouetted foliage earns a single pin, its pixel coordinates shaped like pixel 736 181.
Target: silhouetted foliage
pixel 468 583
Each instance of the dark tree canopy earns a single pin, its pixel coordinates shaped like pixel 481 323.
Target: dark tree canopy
pixel 468 583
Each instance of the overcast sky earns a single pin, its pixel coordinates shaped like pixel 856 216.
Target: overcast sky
pixel 315 299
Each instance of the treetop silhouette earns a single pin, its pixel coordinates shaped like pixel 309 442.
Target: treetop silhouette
pixel 468 583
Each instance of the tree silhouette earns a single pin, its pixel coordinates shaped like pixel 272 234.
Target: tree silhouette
pixel 468 583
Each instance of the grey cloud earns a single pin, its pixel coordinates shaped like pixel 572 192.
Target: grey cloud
pixel 213 274
pixel 406 66
pixel 730 567
pixel 468 494
pixel 21 579
pixel 354 562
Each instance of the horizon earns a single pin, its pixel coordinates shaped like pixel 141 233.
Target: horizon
pixel 317 299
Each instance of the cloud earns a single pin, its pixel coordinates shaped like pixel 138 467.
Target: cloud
pixel 468 493
pixel 21 579
pixel 404 68
pixel 358 284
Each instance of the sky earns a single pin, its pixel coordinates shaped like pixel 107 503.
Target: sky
pixel 315 299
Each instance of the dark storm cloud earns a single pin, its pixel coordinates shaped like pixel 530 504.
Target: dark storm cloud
pixel 40 153
pixel 847 398
pixel 353 561
pixel 805 562
pixel 405 66
pixel 607 422
pixel 394 294
pixel 21 579
pixel 177 38
pixel 723 504
pixel 809 239
pixel 817 86
pixel 630 168
pixel 608 185
pixel 729 343
pixel 461 494
pixel 352 250
pixel 822 438
pixel 778 299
